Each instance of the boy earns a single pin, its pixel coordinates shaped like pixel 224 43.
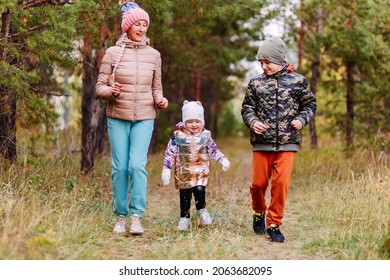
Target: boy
pixel 277 105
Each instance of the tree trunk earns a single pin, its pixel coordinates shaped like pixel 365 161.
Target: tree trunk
pixel 7 101
pixel 198 86
pixel 350 104
pixel 154 141
pixel 181 93
pixel 93 110
pixel 215 118
pixel 209 100
pixel 66 106
pixel 7 125
pixel 350 65
pixel 301 36
pixel 101 129
pixel 315 75
pixel 5 31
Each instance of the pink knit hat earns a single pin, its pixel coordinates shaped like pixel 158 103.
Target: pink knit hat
pixel 131 13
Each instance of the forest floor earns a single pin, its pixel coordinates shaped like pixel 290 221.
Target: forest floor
pixel 230 236
pixel 337 209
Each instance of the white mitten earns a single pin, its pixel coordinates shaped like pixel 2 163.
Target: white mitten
pixel 225 164
pixel 165 176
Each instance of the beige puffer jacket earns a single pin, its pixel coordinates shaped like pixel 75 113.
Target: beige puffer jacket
pixel 139 71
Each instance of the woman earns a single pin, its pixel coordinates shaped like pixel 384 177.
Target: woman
pixel 130 80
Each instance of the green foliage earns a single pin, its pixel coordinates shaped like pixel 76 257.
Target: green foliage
pixel 228 122
pixel 161 18
pixel 210 36
pixel 70 183
pixel 352 198
pixel 337 208
pixel 36 180
pixel 385 247
pixel 353 33
pixel 91 15
pixel 167 123
pixel 203 43
pixel 205 38
pixel 40 42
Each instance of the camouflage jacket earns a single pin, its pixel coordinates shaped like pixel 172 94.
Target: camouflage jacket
pixel 277 100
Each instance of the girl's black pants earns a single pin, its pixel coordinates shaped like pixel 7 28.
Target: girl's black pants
pixel 186 196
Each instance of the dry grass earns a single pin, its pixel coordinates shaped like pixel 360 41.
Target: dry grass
pixel 338 208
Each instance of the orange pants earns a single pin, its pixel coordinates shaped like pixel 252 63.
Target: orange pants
pixel 277 165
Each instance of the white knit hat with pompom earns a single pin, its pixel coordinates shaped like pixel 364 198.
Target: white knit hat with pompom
pixel 192 110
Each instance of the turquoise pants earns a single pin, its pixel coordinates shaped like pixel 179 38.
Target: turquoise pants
pixel 129 142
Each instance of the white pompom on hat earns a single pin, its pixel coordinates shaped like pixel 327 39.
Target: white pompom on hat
pixel 192 110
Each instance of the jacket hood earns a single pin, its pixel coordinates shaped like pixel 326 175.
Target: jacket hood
pixel 180 126
pixel 287 68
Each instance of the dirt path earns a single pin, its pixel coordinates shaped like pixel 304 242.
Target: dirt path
pixel 230 236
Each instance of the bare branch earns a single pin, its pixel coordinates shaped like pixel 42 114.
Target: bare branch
pixel 37 3
pixel 46 92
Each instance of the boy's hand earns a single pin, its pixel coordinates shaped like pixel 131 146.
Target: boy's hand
pixel 165 176
pixel 225 164
pixel 259 127
pixel 296 124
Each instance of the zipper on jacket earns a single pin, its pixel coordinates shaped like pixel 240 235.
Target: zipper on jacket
pixel 192 166
pixel 136 81
pixel 277 115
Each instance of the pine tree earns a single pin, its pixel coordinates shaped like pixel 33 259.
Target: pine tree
pixel 354 46
pixel 207 41
pixel 34 41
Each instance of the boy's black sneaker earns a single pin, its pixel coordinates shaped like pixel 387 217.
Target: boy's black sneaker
pixel 274 234
pixel 259 223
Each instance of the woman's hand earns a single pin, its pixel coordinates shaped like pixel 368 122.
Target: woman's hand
pixel 116 89
pixel 162 103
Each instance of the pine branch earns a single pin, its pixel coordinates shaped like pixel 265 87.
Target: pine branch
pixel 34 28
pixel 38 3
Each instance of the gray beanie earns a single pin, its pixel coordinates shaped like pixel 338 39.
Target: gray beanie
pixel 273 50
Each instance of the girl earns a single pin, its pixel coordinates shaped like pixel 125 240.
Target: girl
pixel 190 149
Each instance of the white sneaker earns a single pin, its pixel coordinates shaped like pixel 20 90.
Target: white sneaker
pixel 135 226
pixel 120 225
pixel 205 218
pixel 184 224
